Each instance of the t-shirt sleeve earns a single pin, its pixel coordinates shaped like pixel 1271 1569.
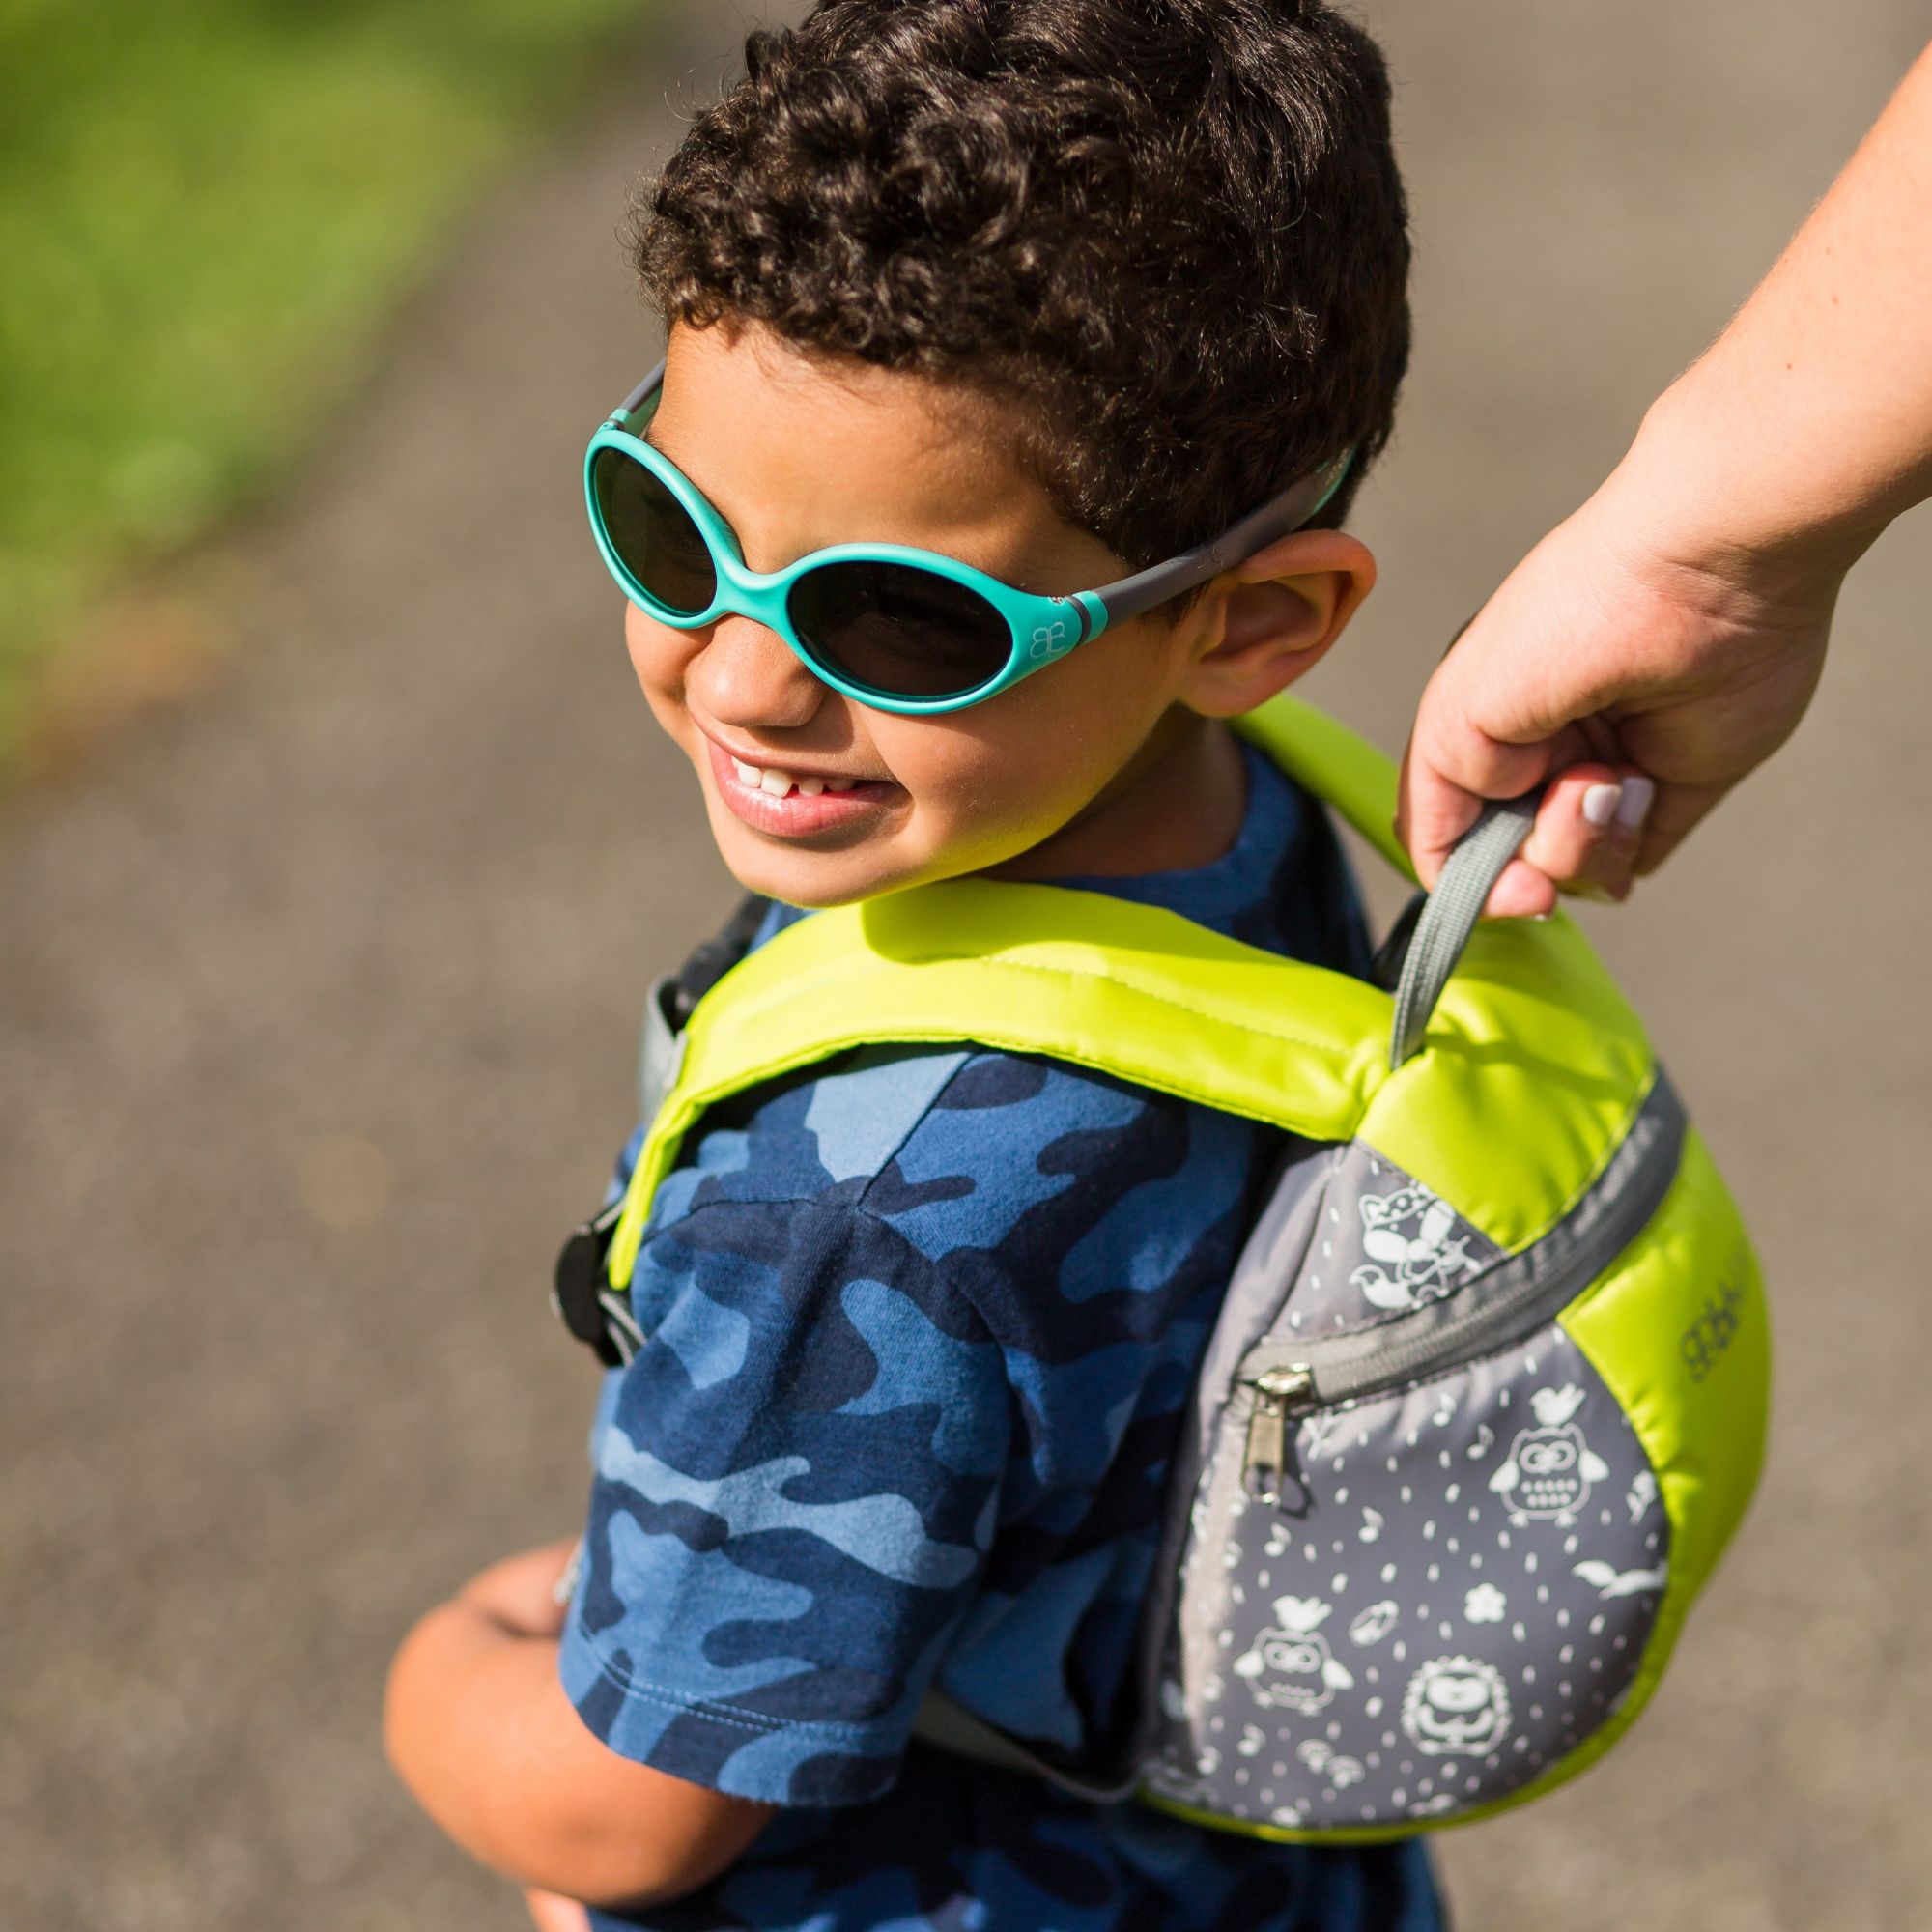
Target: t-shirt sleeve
pixel 795 1486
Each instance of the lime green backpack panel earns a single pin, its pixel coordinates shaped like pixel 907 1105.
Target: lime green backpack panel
pixel 1697 1403
pixel 1531 1040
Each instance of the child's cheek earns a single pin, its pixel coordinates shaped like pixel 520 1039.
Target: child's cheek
pixel 969 784
pixel 655 650
pixel 1003 796
pixel 659 657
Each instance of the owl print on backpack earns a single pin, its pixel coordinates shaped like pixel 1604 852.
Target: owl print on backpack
pixel 1550 1471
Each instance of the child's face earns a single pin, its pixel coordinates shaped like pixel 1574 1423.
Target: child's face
pixel 798 454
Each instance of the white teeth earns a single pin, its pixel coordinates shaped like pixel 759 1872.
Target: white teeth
pixel 776 784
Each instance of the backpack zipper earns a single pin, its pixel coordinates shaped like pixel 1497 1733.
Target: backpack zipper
pixel 1492 1311
pixel 1275 1390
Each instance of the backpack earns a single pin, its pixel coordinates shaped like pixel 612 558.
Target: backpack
pixel 1488 1393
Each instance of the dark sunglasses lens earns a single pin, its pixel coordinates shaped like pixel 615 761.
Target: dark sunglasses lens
pixel 904 631
pixel 652 534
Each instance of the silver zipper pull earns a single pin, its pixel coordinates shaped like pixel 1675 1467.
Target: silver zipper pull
pixel 1275 1390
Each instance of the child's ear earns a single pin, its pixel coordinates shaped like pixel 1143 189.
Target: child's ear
pixel 1274 617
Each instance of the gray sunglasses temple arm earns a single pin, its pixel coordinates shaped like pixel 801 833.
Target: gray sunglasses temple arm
pixel 635 400
pixel 1287 512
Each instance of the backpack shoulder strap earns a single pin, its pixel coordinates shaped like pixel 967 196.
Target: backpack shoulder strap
pixel 1148 996
pixel 1342 770
pixel 1121 988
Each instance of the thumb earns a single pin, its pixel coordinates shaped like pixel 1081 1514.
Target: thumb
pixel 1450 771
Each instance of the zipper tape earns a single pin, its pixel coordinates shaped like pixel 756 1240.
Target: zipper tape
pixel 1514 1297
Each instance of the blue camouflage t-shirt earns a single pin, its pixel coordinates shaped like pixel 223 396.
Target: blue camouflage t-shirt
pixel 923 1324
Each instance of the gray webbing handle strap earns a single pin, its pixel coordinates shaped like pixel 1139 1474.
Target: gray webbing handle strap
pixel 1450 914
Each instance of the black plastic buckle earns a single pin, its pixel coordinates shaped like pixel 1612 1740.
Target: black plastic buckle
pixel 581 1282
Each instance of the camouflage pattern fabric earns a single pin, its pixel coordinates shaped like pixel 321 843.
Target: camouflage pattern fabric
pixel 923 1324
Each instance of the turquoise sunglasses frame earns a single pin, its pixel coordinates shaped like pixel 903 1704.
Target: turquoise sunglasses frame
pixel 1043 630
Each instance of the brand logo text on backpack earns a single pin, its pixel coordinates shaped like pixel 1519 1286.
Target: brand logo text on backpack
pixel 1704 1342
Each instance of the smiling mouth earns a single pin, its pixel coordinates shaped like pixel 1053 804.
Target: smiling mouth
pixel 777 782
pixel 795 805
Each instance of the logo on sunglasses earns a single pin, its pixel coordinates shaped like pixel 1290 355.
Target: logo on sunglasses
pixel 1049 640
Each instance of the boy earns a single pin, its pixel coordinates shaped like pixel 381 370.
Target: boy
pixel 1053 290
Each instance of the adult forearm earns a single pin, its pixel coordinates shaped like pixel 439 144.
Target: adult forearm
pixel 1665 639
pixel 1807 426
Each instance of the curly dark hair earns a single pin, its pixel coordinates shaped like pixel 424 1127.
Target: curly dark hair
pixel 1171 231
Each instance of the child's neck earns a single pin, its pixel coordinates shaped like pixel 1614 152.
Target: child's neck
pixel 1177 804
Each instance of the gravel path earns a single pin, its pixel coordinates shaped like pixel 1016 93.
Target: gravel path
pixel 317 999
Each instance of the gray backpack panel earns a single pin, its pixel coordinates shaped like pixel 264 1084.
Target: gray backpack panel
pixel 1418 1549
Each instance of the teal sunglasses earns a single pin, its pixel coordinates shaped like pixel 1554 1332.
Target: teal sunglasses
pixel 893 628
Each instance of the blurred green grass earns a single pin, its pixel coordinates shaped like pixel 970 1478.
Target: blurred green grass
pixel 208 211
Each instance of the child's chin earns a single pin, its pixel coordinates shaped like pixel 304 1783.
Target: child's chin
pixel 814 881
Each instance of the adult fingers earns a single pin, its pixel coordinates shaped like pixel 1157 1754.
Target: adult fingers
pixel 1588 839
pixel 1577 843
pixel 1450 772
pixel 1589 828
pixel 1522 891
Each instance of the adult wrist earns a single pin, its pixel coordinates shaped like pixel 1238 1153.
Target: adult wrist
pixel 1701 521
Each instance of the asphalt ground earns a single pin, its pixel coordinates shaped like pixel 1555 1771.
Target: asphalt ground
pixel 318 995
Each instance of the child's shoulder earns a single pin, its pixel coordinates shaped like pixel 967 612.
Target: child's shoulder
pixel 999 1170
pixel 895 1131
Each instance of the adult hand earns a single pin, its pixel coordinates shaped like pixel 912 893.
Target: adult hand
pixel 1641 686
pixel 1660 644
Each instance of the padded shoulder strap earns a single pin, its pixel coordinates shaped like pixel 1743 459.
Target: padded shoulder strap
pixel 1123 988
pixel 1345 772
pixel 1532 1026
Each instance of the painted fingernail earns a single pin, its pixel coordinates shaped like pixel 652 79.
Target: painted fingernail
pixel 1635 806
pixel 1600 804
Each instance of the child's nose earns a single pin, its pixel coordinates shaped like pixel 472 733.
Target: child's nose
pixel 748 675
